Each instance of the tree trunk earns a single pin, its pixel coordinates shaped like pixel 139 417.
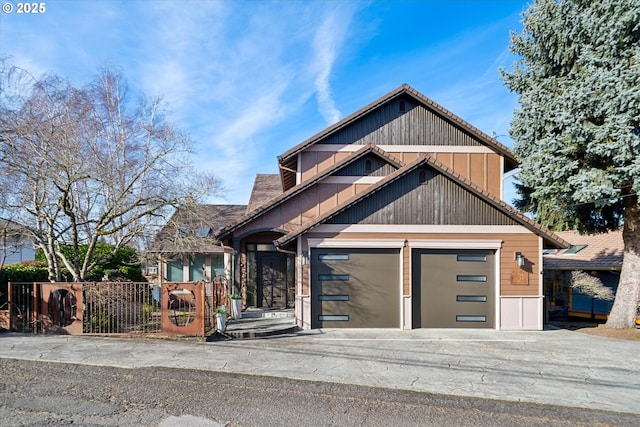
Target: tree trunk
pixel 625 306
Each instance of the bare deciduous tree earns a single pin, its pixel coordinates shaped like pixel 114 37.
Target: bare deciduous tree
pixel 88 165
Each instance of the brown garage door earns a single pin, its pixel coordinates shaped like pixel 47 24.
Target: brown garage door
pixel 355 288
pixel 453 288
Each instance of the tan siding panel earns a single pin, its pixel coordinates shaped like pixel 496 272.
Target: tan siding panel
pixel 528 245
pixel 478 169
pixel 445 158
pixel 345 191
pixel 327 198
pixel 461 164
pixel 494 180
pixel 326 159
pixel 308 164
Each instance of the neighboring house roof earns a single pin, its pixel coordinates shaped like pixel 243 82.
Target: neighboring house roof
pixel 366 149
pixel 549 237
pixel 13 228
pixel 266 187
pixel 195 228
pixel 600 251
pixel 288 159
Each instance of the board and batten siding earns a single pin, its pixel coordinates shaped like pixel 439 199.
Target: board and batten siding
pixel 423 197
pixel 417 125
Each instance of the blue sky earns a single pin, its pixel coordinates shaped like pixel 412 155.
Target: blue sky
pixel 250 79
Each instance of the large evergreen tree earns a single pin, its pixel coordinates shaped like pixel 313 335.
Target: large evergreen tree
pixel 577 130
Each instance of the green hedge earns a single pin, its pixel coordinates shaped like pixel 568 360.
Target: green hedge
pixel 27 272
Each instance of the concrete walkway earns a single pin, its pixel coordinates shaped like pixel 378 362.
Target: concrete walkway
pixel 556 367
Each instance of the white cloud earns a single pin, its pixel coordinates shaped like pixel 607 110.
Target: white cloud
pixel 328 40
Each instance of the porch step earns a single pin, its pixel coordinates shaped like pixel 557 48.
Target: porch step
pixel 258 323
pixel 267 313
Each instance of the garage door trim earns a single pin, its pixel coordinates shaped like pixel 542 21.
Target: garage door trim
pixel 463 245
pixel 454 244
pixel 355 243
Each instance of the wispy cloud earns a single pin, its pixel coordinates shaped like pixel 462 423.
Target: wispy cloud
pixel 327 42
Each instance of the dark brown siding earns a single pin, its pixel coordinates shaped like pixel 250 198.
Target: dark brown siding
pixel 438 201
pixel 415 126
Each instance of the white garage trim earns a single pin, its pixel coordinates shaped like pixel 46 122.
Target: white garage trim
pixel 355 243
pixel 455 244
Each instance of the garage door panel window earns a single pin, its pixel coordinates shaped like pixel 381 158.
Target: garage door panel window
pixel 333 297
pixel 470 318
pixel 334 318
pixel 471 298
pixel 471 278
pixel 471 258
pixel 333 257
pixel 333 277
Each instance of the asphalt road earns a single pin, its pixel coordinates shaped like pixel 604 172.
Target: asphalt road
pixel 45 393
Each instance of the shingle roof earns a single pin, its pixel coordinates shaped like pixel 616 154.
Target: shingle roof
pixel 266 187
pixel 194 229
pixel 516 215
pixel 602 251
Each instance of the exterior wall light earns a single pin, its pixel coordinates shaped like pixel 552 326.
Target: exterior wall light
pixel 519 259
pixel 305 258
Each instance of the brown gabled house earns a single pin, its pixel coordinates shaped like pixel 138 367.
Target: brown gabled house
pixel 392 218
pixel 188 248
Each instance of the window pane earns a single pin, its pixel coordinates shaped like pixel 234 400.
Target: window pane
pixel 334 318
pixel 333 257
pixel 469 318
pixel 174 271
pixel 266 247
pixel 472 258
pixel 217 264
pixel 333 297
pixel 195 268
pixel 333 277
pixel 471 298
pixel 471 278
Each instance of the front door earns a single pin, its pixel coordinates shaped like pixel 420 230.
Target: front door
pixel 272 283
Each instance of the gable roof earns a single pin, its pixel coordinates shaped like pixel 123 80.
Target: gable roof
pixel 266 187
pixel 424 159
pixel 365 150
pixel 602 251
pixel 195 228
pixel 287 160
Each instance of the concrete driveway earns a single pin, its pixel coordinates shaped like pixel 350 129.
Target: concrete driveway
pixel 555 367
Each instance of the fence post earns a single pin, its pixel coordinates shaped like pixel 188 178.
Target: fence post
pixel 35 307
pixel 203 295
pixel 9 292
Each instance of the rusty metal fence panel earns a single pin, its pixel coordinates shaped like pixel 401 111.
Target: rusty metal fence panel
pixel 121 308
pixel 20 310
pixel 116 307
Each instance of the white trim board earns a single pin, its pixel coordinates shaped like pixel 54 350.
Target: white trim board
pixel 355 243
pixel 351 179
pixel 455 244
pixel 410 228
pixel 349 148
